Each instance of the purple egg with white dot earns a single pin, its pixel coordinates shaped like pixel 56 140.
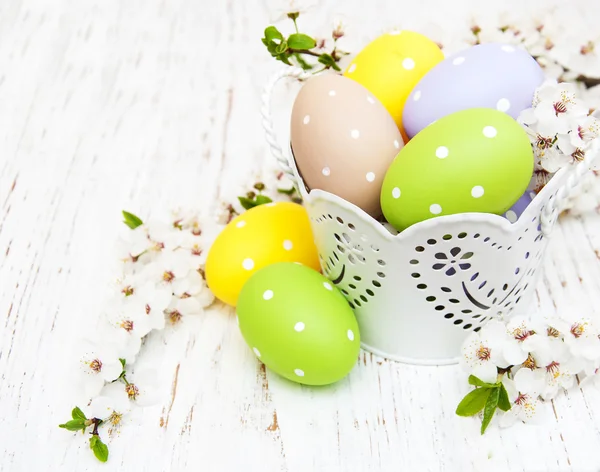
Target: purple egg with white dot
pixel 515 211
pixel 491 75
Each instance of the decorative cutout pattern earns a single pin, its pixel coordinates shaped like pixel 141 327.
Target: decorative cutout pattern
pixel 455 273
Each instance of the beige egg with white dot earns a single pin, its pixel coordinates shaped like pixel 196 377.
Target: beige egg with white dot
pixel 343 139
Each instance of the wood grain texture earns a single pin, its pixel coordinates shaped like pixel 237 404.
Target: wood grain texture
pixel 152 105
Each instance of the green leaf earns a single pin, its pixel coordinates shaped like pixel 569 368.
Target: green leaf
pixel 99 449
pixel 262 199
pixel 272 33
pixel 490 407
pixel 77 414
pixel 480 383
pixel 301 41
pixel 328 61
pixel 281 48
pixel 131 220
pixel 246 203
pixel 284 57
pixel 122 361
pixel 287 191
pixel 503 401
pixel 73 425
pixel 473 402
pixel 301 62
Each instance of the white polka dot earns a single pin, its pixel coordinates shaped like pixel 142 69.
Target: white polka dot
pixel 490 132
pixel 240 224
pixel 458 61
pixel 352 68
pixel 268 294
pixel 435 209
pixel 511 216
pixel 370 99
pixel 508 49
pixel 299 326
pixel 396 192
pixel 326 171
pixel 350 334
pixel 441 152
pixel 306 119
pixel 532 195
pixel 396 144
pixel 327 285
pixel 332 93
pixel 417 96
pixel 395 33
pixel 477 191
pixel 370 176
pixel 288 245
pixel 503 104
pixel 408 63
pixel 355 133
pixel 248 264
pixel 299 373
pixel 256 351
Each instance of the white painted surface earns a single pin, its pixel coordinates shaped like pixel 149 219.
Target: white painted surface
pixel 148 105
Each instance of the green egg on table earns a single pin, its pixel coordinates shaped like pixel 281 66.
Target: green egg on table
pixel 298 324
pixel 475 160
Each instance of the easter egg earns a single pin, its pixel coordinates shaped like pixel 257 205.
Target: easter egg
pixel 390 67
pixel 343 140
pixel 263 235
pixel 476 160
pixel 490 75
pixel 298 324
pixel 515 211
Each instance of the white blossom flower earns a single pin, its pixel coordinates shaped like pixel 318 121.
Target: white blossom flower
pixel 111 406
pixel 142 388
pixel 149 300
pixel 204 296
pixel 558 376
pixel 171 269
pixel 582 57
pixel 482 351
pixel 523 394
pixel 515 349
pixel 582 340
pixel 587 130
pixel 181 308
pixel 555 107
pixel 130 324
pixel 279 9
pixel 99 363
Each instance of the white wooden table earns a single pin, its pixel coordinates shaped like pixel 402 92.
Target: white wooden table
pixel 148 105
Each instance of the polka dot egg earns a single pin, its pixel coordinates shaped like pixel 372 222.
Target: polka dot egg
pixel 476 160
pixel 343 140
pixel 390 67
pixel 298 324
pixel 263 235
pixel 491 75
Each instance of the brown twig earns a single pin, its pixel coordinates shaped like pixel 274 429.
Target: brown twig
pixel 304 51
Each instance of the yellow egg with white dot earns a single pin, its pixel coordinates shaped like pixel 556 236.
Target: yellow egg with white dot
pixel 392 65
pixel 263 235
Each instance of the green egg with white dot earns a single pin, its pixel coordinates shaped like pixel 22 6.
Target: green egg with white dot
pixel 298 324
pixel 476 160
